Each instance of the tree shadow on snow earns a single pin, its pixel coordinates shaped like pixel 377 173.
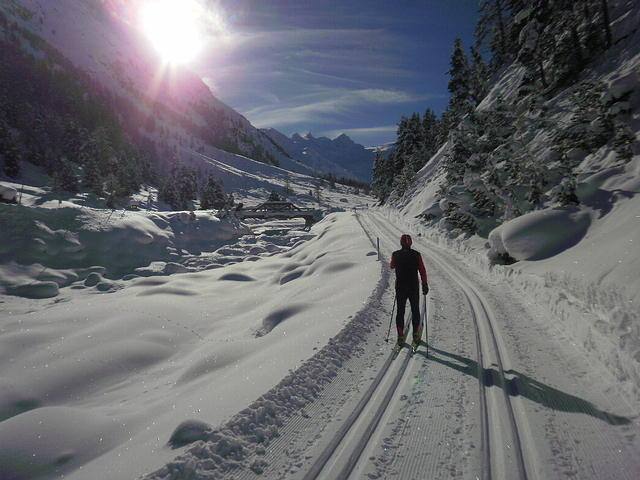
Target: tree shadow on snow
pixel 520 384
pixel 604 200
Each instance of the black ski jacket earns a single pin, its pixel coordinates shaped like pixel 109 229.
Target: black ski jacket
pixel 407 264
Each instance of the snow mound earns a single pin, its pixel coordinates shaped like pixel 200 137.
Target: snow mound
pixel 243 439
pixel 188 432
pixel 540 234
pixel 43 249
pixel 66 436
pixel 7 193
pixel 35 289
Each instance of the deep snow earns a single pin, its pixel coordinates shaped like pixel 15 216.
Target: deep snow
pixel 111 377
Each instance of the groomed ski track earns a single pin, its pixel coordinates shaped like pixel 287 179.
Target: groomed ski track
pixel 502 394
pixel 510 464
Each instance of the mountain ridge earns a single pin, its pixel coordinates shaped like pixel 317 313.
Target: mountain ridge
pixel 340 156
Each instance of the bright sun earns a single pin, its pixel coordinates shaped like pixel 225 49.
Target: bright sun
pixel 172 26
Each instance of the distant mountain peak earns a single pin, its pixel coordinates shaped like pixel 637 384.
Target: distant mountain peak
pixel 344 139
pixel 340 156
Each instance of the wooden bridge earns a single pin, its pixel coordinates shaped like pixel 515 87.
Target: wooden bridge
pixel 280 210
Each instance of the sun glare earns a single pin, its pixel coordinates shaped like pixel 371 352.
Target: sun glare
pixel 172 27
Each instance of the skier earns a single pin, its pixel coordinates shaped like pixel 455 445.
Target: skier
pixel 407 263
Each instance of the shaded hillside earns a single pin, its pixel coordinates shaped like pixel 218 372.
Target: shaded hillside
pixel 340 156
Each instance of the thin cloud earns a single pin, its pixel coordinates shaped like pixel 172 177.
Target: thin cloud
pixel 364 131
pixel 329 104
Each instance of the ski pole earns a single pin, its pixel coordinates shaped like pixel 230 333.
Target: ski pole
pixel 391 319
pixel 426 327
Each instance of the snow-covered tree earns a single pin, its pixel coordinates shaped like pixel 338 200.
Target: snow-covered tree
pixel 9 151
pixel 64 178
pixel 565 193
pixel 187 185
pixel 479 77
pixel 212 195
pixel 459 85
pixel 180 187
pixel 168 193
pixel 97 158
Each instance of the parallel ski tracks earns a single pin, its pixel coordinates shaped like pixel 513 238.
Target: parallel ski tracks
pixel 364 405
pixel 483 323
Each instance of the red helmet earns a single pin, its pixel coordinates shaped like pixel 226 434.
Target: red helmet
pixel 405 241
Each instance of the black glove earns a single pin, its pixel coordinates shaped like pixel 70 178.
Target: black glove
pixel 425 288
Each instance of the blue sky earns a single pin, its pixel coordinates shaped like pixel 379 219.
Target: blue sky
pixel 330 67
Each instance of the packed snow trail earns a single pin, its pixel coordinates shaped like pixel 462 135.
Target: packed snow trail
pixel 547 416
pixel 506 464
pixel 589 433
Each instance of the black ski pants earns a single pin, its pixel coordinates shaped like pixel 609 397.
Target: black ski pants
pixel 402 295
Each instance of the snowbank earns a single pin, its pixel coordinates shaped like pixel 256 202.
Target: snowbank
pixel 42 249
pixel 540 234
pixel 8 194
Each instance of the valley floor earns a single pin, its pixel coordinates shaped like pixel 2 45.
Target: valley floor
pixel 500 392
pixel 280 367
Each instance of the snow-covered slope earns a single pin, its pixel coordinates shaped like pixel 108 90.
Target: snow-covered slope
pixel 598 240
pixel 97 39
pixel 580 259
pixel 340 156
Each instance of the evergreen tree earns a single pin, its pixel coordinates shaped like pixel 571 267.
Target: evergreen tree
pixel 479 80
pixel 459 87
pixel 623 141
pixel 383 174
pixel 168 193
pixel 491 29
pixel 430 130
pixel 212 195
pixel 92 175
pixel 180 186
pixel 64 178
pixel 9 151
pixel 186 186
pixel 97 157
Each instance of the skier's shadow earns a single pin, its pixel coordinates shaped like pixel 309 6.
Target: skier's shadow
pixel 521 384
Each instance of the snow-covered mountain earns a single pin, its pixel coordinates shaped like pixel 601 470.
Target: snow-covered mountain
pixel 96 38
pixel 340 156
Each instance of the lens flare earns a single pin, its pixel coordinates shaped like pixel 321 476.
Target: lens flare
pixel 173 29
